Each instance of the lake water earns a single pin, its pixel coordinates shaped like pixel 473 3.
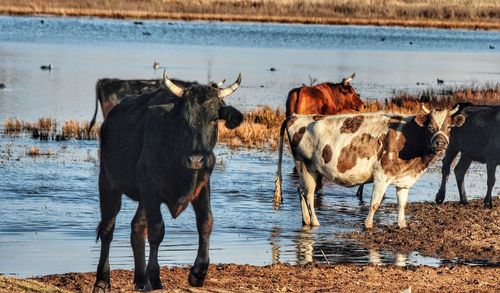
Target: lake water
pixel 50 204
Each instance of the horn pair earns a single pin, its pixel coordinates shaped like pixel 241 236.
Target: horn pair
pixel 179 91
pixel 427 111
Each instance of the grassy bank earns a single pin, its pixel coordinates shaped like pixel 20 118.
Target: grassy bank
pixel 480 14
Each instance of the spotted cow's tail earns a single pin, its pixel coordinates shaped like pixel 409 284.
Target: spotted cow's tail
pixel 92 122
pixel 278 194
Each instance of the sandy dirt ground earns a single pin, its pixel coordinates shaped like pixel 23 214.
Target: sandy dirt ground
pixel 451 230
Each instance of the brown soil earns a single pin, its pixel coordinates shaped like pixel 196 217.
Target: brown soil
pixel 451 230
pixel 308 278
pixel 480 14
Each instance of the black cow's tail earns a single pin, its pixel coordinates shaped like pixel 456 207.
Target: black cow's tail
pixel 92 122
pixel 278 194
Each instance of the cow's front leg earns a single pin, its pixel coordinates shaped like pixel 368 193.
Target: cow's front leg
pixel 402 194
pixel 379 188
pixel 491 166
pixel 156 232
pixel 451 153
pixel 204 223
pixel 460 171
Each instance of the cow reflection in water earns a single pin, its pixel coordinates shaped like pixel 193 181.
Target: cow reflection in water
pixel 158 148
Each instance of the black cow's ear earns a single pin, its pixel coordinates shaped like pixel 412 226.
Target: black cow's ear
pixel 161 109
pixel 420 120
pixel 231 115
pixel 458 120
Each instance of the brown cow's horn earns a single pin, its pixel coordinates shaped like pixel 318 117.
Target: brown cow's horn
pixel 175 89
pixel 426 111
pixel 230 89
pixel 454 110
pixel 349 78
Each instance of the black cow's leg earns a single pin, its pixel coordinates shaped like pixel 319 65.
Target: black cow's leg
pixel 460 171
pixel 491 166
pixel 137 239
pixel 204 223
pixel 110 202
pixel 359 193
pixel 449 156
pixel 156 232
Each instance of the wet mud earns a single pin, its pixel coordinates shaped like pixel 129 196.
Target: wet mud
pixel 449 231
pixel 307 278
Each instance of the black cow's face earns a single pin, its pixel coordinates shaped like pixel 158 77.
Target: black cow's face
pixel 203 108
pixel 438 124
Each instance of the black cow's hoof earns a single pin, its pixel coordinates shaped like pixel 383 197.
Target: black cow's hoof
pixel 440 197
pixel 488 204
pixel 464 202
pixel 101 287
pixel 197 275
pixel 151 286
pixel 139 287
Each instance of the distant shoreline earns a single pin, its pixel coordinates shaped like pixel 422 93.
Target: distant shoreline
pixel 125 10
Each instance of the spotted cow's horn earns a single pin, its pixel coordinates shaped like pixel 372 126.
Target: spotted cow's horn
pixel 348 79
pixel 175 89
pixel 426 111
pixel 454 110
pixel 230 89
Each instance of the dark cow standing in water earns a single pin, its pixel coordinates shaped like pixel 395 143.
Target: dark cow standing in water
pixel 158 148
pixel 356 149
pixel 477 140
pixel 324 98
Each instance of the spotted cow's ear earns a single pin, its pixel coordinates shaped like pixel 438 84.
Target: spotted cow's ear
pixel 420 120
pixel 458 120
pixel 231 115
pixel 161 110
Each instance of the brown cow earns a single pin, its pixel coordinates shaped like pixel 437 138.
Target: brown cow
pixel 324 98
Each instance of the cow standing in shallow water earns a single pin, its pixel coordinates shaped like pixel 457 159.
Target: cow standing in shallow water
pixel 158 148
pixel 356 149
pixel 477 140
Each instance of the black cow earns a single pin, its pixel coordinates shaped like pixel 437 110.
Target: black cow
pixel 158 148
pixel 477 140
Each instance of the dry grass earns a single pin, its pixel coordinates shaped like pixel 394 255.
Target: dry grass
pixel 48 129
pixel 484 14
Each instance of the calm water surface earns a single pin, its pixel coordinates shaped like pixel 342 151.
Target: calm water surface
pixel 50 205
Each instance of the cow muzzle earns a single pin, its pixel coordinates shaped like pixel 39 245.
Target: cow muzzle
pixel 198 162
pixel 439 142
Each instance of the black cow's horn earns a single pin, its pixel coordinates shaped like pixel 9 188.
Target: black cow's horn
pixel 454 110
pixel 175 89
pixel 426 111
pixel 230 89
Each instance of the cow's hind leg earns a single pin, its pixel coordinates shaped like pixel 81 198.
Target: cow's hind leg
pixel 460 171
pixel 309 181
pixel 156 232
pixel 359 193
pixel 137 239
pixel 450 155
pixel 491 166
pixel 204 223
pixel 110 202
pixel 379 188
pixel 402 194
pixel 306 218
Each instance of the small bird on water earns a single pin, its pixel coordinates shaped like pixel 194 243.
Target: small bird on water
pixel 46 67
pixel 156 65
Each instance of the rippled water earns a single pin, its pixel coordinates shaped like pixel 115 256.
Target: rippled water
pixel 50 204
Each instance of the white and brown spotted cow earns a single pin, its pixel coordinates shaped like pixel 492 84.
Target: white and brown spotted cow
pixel 356 149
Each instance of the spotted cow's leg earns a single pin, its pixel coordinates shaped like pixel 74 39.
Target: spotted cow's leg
pixel 309 180
pixel 402 194
pixel 306 218
pixel 204 223
pixel 379 187
pixel 450 155
pixel 491 166
pixel 137 239
pixel 460 171
pixel 110 203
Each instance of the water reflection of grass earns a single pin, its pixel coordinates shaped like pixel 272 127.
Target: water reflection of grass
pixel 426 13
